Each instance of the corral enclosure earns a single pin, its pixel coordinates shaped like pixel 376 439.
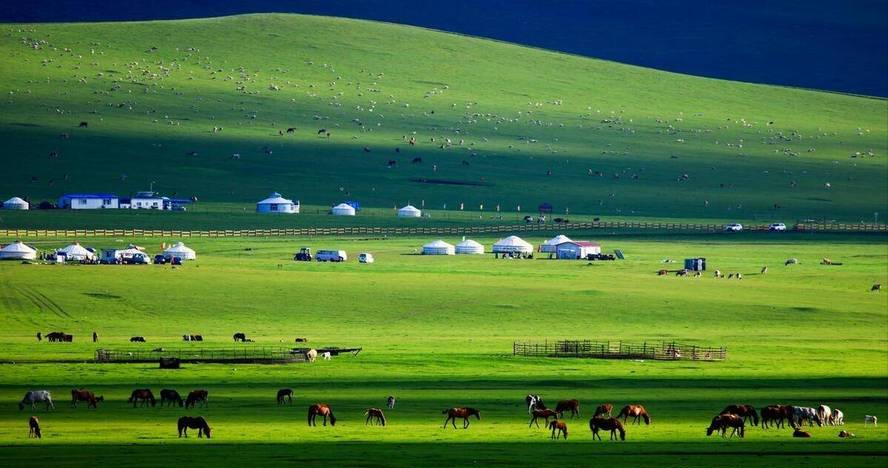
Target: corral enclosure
pixel 667 351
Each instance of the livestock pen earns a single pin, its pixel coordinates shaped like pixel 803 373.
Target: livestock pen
pixel 669 351
pixel 269 355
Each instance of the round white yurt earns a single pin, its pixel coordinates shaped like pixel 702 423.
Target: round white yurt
pixel 17 251
pixel 180 251
pixel 76 252
pixel 549 245
pixel 512 244
pixel 343 209
pixel 16 203
pixel 409 211
pixel 275 203
pixel 469 247
pixel 438 247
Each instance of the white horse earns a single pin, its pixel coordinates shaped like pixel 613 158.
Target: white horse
pixel 311 355
pixel 825 414
pixel 532 401
pixel 870 419
pixel 805 413
pixel 326 355
pixel 33 397
pixel 390 402
pixel 838 417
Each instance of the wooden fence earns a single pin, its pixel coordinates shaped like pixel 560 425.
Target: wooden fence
pixel 213 355
pixel 670 351
pixel 445 230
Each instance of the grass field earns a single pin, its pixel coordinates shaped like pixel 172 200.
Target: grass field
pixel 437 332
pixel 153 92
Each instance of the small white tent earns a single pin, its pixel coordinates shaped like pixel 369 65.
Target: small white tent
pixel 469 247
pixel 17 251
pixel 76 252
pixel 179 250
pixel 438 247
pixel 512 244
pixel 343 209
pixel 16 203
pixel 409 211
pixel 275 203
pixel 549 245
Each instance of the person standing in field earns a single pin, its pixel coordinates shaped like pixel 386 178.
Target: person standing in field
pixel 95 337
pixel 39 337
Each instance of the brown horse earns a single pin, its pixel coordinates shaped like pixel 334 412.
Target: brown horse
pixel 744 411
pixel 197 396
pixel 568 405
pixel 460 412
pixel 800 433
pixel 142 395
pixel 608 424
pixel 560 427
pixel 34 428
pixel 199 423
pixel 636 412
pixel 171 397
pixel 541 413
pixel 724 421
pixel 285 394
pixel 321 409
pixel 776 415
pixel 85 395
pixel 603 410
pixel 374 414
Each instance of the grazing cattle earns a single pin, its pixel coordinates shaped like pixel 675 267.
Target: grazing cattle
pixel 199 423
pixel 876 287
pixel 603 410
pixel 846 435
pixel 559 428
pixel 83 124
pixel 801 414
pixel 791 261
pixel 636 412
pixel 85 395
pixel 34 428
pixel 285 394
pixel 744 411
pixel 460 412
pixel 764 270
pixel 320 409
pixel 240 337
pixel 142 395
pixel 33 397
pixel 301 340
pixel 545 414
pixel 867 419
pixel 311 355
pixel 662 272
pixel 197 396
pixel 608 424
pixel 171 397
pixel 416 160
pixel 291 130
pixel 825 414
pixel 326 355
pixel 775 415
pixel 391 163
pixel 568 405
pixel 322 130
pixel 374 415
pixel 682 272
pixel 800 433
pixel 137 339
pixel 534 401
pixel 719 274
pixel 390 402
pixel 723 422
pixel 837 418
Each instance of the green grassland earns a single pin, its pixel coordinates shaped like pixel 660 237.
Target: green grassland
pixel 437 332
pixel 154 91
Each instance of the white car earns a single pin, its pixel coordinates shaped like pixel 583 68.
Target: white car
pixel 777 227
pixel 331 256
pixel 733 227
pixel 365 257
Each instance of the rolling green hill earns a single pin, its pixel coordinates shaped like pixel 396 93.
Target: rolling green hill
pixel 524 125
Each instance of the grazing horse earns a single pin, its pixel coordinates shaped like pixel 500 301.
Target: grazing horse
pixel 85 395
pixel 33 397
pixel 83 124
pixel 876 287
pixel 838 417
pixel 534 401
pixel 311 355
pixel 867 419
pixel 775 415
pixel 800 433
pixel 460 412
pixel 374 414
pixel 240 337
pixel 560 427
pixel 390 402
pixel 636 412
pixel 801 414
pixel 744 411
pixel 568 405
pixel 199 423
pixel 142 395
pixel 541 413
pixel 34 428
pixel 608 424
pixel 321 409
pixel 285 393
pixel 603 410
pixel 825 414
pixel 662 272
pixel 724 421
pixel 197 396
pixel 170 396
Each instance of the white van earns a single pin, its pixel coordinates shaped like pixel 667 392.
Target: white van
pixel 365 257
pixel 331 256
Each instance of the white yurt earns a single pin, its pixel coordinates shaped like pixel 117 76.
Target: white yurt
pixel 76 252
pixel 409 211
pixel 275 203
pixel 549 245
pixel 512 244
pixel 16 203
pixel 438 247
pixel 469 247
pixel 343 209
pixel 17 251
pixel 179 250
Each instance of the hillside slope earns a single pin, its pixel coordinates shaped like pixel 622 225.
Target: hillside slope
pixel 524 126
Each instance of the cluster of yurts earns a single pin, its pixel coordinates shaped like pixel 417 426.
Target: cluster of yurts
pixel 510 245
pixel 75 252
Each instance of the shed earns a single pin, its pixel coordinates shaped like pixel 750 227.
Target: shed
pixel 438 247
pixel 16 203
pixel 180 251
pixel 549 245
pixel 469 247
pixel 275 203
pixel 512 244
pixel 409 211
pixel 76 252
pixel 695 264
pixel 343 209
pixel 574 250
pixel 89 201
pixel 18 250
